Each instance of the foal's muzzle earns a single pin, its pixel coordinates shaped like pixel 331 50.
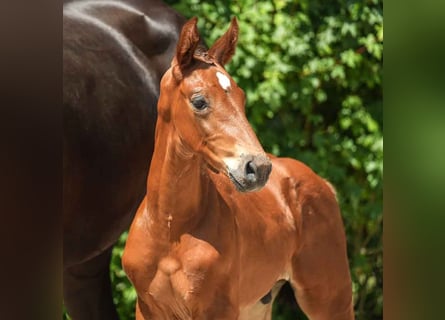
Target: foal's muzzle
pixel 252 173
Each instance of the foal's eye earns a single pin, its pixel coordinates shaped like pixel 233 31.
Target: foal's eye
pixel 199 103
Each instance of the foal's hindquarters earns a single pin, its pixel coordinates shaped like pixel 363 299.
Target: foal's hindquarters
pixel 292 230
pixel 320 273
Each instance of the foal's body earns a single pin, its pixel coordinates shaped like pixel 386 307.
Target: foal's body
pixel 221 256
pixel 199 248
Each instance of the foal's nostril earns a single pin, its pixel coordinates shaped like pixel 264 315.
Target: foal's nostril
pixel 251 170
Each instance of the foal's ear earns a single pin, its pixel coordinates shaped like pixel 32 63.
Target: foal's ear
pixel 224 47
pixel 187 43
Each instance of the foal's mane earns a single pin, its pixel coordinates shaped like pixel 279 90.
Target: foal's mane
pixel 202 54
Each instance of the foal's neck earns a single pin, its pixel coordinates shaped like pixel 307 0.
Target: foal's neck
pixel 178 184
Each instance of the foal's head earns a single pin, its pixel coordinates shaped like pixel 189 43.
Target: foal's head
pixel 206 108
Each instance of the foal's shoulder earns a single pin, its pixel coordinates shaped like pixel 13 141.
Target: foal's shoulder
pixel 300 176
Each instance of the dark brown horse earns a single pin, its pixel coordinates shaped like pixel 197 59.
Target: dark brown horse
pixel 202 244
pixel 114 54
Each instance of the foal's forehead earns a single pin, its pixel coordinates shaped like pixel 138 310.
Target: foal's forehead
pixel 213 77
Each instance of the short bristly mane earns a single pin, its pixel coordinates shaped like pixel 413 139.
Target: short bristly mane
pixel 201 53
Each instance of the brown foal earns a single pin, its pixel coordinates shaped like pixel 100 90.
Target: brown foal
pixel 201 245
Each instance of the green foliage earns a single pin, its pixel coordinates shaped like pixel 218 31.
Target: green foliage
pixel 124 294
pixel 312 72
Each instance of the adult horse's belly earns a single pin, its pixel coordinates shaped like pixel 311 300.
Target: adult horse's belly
pixel 109 119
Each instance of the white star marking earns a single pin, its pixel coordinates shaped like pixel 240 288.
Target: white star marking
pixel 223 80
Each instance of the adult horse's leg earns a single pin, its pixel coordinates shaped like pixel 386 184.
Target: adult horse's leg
pixel 87 289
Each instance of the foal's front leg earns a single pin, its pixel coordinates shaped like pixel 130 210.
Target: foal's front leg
pixel 186 282
pixel 139 261
pixel 204 281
